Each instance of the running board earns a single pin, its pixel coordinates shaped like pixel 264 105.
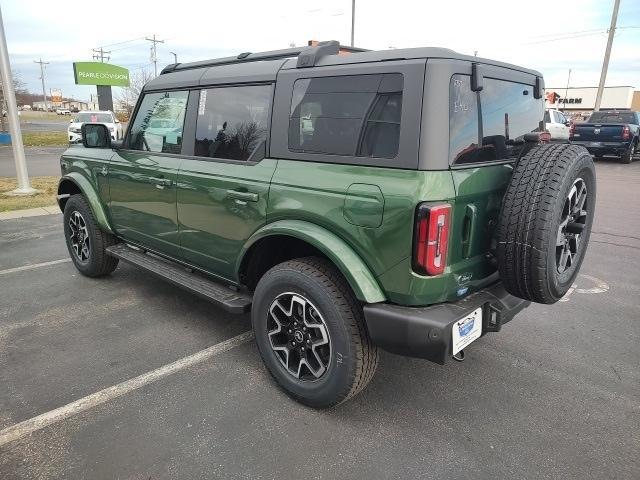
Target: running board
pixel 230 300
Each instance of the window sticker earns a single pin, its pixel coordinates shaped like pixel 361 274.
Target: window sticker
pixel 203 102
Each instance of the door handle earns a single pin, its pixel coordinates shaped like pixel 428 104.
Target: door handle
pixel 246 196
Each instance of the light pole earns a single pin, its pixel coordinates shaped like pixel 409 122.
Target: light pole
pixel 353 20
pixel 24 187
pixel 607 54
pixel 566 92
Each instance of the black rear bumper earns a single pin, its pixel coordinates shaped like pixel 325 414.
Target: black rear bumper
pixel 425 332
pixel 604 148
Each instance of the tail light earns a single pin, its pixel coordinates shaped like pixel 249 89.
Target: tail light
pixel 626 133
pixel 544 137
pixel 431 238
pixel 572 129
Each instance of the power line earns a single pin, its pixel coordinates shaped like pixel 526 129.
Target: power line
pixel 44 88
pixel 154 53
pixel 101 54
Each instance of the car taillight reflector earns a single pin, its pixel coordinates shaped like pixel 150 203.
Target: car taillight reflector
pixel 626 133
pixel 431 238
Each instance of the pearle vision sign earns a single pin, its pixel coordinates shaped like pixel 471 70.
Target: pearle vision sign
pixel 97 73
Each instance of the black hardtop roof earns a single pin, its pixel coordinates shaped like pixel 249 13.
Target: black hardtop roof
pixel 264 66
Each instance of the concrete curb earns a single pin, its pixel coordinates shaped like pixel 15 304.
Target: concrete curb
pixel 30 212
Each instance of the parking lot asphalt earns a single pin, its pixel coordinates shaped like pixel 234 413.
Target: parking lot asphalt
pixel 555 394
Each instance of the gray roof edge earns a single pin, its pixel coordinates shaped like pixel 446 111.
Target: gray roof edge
pixel 191 77
pixel 409 53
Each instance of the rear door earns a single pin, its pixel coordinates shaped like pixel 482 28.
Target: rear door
pixel 223 187
pixel 142 176
pixel 484 139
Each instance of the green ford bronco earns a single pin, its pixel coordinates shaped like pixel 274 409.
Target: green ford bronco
pixel 404 199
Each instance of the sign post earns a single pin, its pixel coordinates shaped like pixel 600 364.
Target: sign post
pixel 104 76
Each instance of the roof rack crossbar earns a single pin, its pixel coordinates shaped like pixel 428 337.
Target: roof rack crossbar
pixel 307 57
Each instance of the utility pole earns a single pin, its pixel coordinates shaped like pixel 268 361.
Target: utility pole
pixel 607 54
pixel 24 187
pixel 101 54
pixel 44 89
pixel 154 56
pixel 175 57
pixel 353 20
pixel 566 92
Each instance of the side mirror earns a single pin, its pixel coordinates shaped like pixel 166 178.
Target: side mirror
pixel 95 135
pixel 568 123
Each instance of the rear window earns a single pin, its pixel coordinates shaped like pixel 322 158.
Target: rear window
pixel 500 115
pixel 354 115
pixel 612 117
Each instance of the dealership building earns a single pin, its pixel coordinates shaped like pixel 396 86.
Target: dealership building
pixel 580 101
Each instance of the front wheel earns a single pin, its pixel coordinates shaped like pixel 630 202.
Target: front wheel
pixel 311 334
pixel 85 241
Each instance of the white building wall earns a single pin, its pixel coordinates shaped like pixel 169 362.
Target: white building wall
pixel 612 97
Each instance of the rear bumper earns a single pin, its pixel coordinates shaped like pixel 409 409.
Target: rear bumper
pixel 425 332
pixel 604 148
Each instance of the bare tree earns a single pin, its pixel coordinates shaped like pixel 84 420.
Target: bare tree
pixel 128 96
pixel 20 88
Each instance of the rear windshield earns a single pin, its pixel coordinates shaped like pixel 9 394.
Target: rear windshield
pixel 612 117
pixel 91 117
pixel 489 125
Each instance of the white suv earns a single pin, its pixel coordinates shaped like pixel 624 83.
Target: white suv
pixel 105 117
pixel 557 124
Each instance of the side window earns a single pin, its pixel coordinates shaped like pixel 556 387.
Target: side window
pixel 352 115
pixel 232 121
pixel 509 111
pixel 558 116
pixel 159 122
pixel 463 121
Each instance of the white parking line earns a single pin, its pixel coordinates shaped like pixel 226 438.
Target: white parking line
pixel 27 427
pixel 35 265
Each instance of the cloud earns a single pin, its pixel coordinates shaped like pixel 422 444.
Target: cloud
pixel 547 35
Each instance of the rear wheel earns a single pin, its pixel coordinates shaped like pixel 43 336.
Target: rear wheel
pixel 545 222
pixel 310 332
pixel 627 157
pixel 85 241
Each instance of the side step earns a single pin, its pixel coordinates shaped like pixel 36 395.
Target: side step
pixel 230 300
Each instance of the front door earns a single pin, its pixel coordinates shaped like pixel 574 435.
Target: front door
pixel 222 194
pixel 143 175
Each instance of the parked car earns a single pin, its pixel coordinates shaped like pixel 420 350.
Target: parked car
pixel 105 117
pixel 63 111
pixel 557 124
pixel 398 199
pixel 610 132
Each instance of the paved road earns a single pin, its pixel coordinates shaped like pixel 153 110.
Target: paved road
pixel 554 395
pixel 41 161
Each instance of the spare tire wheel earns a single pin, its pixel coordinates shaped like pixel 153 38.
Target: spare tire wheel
pixel 545 221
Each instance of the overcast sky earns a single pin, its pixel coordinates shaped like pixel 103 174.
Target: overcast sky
pixel 548 35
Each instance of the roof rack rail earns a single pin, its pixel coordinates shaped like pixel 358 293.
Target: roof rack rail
pixel 307 57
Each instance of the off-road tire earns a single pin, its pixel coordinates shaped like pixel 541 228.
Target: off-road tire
pixel 98 262
pixel 353 359
pixel 530 221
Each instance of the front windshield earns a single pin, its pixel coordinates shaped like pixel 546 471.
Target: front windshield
pixel 93 117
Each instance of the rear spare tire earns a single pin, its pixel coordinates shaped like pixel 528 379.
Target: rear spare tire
pixel 545 221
